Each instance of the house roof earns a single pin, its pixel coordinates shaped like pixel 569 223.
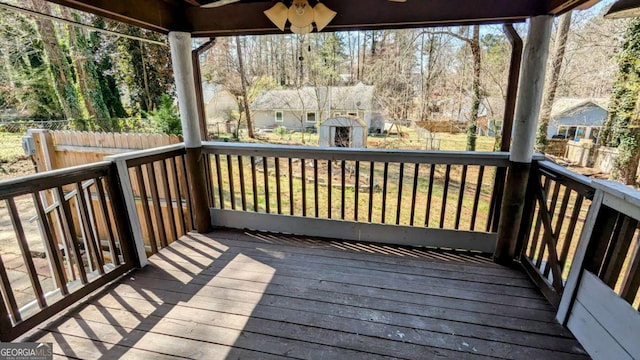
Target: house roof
pixel 346 121
pixel 565 106
pixel 208 18
pixel 356 97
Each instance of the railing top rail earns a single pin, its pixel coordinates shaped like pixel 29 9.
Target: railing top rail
pixel 380 155
pixel 50 179
pixel 582 182
pixel 145 153
pixel 623 192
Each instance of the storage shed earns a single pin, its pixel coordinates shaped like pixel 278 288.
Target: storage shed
pixel 343 131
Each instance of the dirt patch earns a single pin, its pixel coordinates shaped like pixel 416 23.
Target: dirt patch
pixel 16 168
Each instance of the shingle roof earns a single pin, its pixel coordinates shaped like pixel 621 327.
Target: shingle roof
pixel 358 96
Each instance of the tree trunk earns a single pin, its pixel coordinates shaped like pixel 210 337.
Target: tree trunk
pixel 545 112
pixel 243 81
pixel 472 127
pixel 58 63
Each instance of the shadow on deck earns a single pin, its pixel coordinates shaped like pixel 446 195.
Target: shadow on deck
pixel 232 295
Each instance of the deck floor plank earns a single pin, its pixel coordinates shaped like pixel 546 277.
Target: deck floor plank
pixel 231 295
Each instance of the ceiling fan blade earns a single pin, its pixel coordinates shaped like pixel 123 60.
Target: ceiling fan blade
pixel 219 3
pixel 398 0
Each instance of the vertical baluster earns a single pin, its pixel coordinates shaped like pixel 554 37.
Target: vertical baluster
pixel 243 191
pixel 371 184
pixel 536 231
pixel 7 294
pixel 414 193
pixel 178 193
pixel 278 190
pixel 559 223
pixel 219 177
pixel 476 198
pixel 315 187
pixel 145 209
pixel 155 200
pixel 329 186
pixel 107 220
pixel 26 253
pixel 552 208
pixel 463 184
pixel 232 191
pixel 400 183
pixel 70 234
pixel 568 237
pixel 53 251
pixel 265 168
pixel 385 181
pixel 291 202
pixel 631 281
pixel 183 172
pixel 303 175
pixel 343 183
pixel 445 191
pixel 427 215
pixel 254 184
pixel 357 192
pixel 167 199
pixel 91 239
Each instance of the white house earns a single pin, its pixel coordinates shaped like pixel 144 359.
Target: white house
pixel 219 105
pixel 309 106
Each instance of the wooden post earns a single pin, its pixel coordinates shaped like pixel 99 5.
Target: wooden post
pixel 126 193
pixel 527 112
pixel 180 43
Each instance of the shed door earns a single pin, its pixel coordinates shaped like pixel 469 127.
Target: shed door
pixel 342 137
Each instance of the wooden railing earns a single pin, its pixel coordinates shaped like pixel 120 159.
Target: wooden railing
pixel 601 299
pixel 398 196
pixel 69 236
pixel 158 197
pixel 554 216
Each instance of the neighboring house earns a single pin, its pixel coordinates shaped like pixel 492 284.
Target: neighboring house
pixel 310 106
pixel 219 105
pixel 573 118
pixel 456 112
pixel 343 131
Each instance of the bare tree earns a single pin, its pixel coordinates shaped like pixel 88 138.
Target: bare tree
pixel 550 93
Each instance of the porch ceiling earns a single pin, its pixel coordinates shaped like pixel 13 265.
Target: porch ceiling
pixel 245 17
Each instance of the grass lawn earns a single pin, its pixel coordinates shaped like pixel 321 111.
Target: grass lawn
pixel 11 147
pixel 442 141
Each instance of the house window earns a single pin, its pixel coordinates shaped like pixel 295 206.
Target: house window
pixel 279 116
pixel 311 117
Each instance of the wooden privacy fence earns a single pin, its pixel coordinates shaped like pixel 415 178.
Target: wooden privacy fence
pixel 162 181
pixel 408 197
pixel 60 149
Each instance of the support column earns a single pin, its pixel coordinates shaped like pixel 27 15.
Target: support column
pixel 180 43
pixel 527 112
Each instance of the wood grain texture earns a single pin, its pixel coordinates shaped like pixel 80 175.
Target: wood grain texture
pixel 232 294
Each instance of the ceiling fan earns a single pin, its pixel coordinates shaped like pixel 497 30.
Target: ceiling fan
pixel 301 15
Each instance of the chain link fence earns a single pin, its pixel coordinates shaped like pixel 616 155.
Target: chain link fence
pixel 21 125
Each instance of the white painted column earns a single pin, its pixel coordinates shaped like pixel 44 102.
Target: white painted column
pixel 530 93
pixel 180 43
pixel 531 88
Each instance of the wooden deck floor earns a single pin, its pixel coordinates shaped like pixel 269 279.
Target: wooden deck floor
pixel 233 295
